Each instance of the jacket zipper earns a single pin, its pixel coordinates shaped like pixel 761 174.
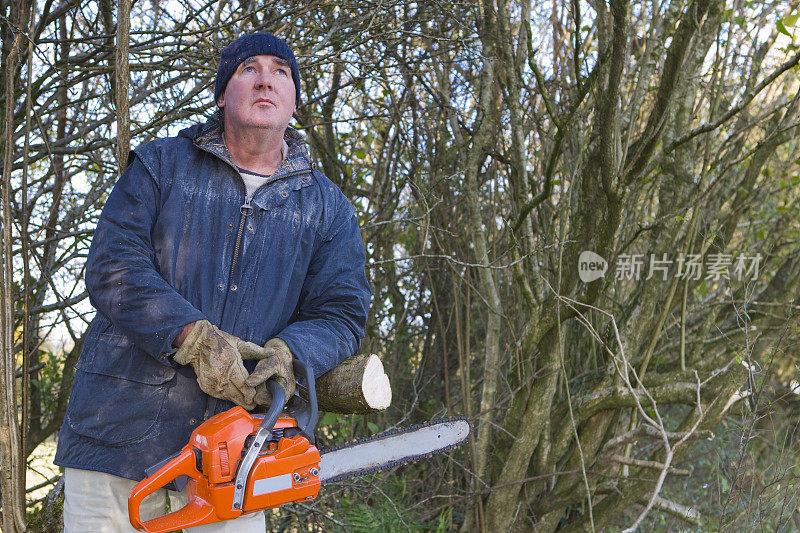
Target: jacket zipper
pixel 246 209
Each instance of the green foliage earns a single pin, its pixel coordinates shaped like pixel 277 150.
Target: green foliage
pixel 47 517
pixel 50 377
pixel 381 511
pixel 781 27
pixel 335 428
pixel 445 522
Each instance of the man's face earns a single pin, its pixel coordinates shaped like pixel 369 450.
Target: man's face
pixel 260 95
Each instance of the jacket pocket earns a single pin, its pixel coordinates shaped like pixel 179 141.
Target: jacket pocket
pixel 113 411
pixel 112 354
pixel 118 392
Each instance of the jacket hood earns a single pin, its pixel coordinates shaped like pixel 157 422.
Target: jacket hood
pixel 208 137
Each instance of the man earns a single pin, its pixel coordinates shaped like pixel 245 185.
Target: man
pixel 212 244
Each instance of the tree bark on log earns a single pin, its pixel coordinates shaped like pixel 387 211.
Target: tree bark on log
pixel 357 386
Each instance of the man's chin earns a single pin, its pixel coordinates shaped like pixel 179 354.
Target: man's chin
pixel 264 126
pixel 271 127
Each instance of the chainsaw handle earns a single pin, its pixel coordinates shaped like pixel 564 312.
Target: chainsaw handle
pixel 195 511
pixel 276 407
pixel 313 411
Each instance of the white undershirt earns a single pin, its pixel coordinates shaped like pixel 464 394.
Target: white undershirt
pixel 253 181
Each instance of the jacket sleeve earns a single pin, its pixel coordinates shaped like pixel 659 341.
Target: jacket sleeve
pixel 331 317
pixel 121 273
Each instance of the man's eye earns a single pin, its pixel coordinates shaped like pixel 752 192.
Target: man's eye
pixel 251 69
pixel 283 71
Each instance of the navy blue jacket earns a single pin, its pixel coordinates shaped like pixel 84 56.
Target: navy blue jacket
pixel 165 254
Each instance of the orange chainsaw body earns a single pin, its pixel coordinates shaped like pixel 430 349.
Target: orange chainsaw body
pixel 285 471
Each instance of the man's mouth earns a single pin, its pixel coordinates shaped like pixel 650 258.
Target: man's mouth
pixel 265 101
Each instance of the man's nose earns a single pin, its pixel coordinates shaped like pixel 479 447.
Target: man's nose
pixel 264 80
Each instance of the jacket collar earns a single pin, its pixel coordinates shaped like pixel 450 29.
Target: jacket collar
pixel 209 138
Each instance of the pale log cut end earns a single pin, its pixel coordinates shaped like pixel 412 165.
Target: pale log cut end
pixel 375 385
pixel 357 386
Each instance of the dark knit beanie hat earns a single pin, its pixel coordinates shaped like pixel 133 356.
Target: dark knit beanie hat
pixel 255 44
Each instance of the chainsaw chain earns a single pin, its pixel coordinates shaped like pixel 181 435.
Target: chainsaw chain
pixel 393 433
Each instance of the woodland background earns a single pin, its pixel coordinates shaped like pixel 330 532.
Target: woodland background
pixel 486 144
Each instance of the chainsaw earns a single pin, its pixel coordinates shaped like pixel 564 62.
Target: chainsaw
pixel 238 463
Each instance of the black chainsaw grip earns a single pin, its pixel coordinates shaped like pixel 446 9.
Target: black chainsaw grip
pixel 276 407
pixel 279 399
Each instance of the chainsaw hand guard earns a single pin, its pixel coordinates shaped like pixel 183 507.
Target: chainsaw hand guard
pixel 196 512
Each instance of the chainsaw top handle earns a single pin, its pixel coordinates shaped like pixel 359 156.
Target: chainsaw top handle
pixel 264 432
pixel 306 415
pixel 279 399
pixel 276 407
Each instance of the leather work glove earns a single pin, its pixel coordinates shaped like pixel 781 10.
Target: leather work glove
pixel 216 357
pixel 275 363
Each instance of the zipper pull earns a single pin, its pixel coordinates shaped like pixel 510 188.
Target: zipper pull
pixel 246 208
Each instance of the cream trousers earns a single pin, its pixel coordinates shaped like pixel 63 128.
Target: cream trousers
pixel 98 503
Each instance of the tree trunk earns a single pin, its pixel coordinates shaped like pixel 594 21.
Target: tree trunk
pixel 122 72
pixel 12 473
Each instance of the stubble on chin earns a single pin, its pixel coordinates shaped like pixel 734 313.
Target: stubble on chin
pixel 270 127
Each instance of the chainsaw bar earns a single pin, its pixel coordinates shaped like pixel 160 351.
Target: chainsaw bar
pixel 392 448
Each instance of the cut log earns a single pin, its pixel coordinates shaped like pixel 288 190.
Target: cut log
pixel 357 386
